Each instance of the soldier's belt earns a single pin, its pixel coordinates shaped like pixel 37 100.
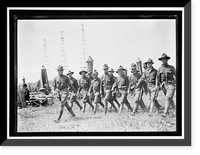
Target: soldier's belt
pixel 122 88
pixel 107 87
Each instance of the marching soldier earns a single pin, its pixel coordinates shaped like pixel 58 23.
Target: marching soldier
pixel 73 97
pixel 84 85
pixel 95 89
pixel 145 66
pixel 136 89
pixel 114 93
pixel 122 84
pixel 105 88
pixel 149 76
pixel 61 83
pixel 166 76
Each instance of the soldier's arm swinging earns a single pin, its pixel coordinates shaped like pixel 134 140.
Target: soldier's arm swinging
pixel 101 86
pixel 71 86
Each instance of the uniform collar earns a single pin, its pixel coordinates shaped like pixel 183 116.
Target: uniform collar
pixel 165 65
pixel 150 70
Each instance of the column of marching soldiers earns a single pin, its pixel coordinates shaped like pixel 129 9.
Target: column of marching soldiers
pixel 109 88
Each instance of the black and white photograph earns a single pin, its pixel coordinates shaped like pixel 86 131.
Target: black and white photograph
pixel 96 75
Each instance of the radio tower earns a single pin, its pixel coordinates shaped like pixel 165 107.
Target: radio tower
pixel 63 54
pixel 84 50
pixel 46 61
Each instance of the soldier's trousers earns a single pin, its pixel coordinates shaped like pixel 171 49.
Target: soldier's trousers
pixel 123 100
pixel 108 98
pixel 73 98
pixel 153 94
pixel 63 95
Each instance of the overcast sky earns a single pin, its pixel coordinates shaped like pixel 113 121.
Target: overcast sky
pixel 114 42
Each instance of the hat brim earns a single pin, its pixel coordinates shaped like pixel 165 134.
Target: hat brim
pixel 111 71
pixel 105 68
pixel 82 71
pixel 136 71
pixel 70 73
pixel 164 57
pixel 60 69
pixel 149 62
pixel 120 70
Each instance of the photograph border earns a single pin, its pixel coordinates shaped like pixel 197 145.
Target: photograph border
pixel 77 141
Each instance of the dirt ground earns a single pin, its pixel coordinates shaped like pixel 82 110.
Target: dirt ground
pixel 41 119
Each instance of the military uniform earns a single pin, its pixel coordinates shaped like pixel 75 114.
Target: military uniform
pixel 136 89
pixel 84 85
pixel 165 77
pixel 149 76
pixel 114 93
pixel 122 84
pixel 61 83
pixel 73 97
pixel 105 88
pixel 95 89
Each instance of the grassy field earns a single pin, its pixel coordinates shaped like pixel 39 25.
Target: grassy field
pixel 41 119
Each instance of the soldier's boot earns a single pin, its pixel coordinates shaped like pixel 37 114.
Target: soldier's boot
pixel 143 106
pixel 121 108
pixel 84 107
pixel 128 105
pixel 116 101
pixel 106 107
pixel 91 105
pixel 59 116
pixel 136 105
pixel 101 104
pixel 157 105
pixel 173 104
pixel 167 105
pixel 71 111
pixel 71 104
pixel 78 104
pixel 95 109
pixel 112 104
pixel 151 107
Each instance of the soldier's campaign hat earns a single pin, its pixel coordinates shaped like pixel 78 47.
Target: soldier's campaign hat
pixel 111 70
pixel 70 72
pixel 120 68
pixel 164 56
pixel 150 61
pixel 60 68
pixel 82 71
pixel 133 66
pixel 144 64
pixel 105 66
pixel 95 72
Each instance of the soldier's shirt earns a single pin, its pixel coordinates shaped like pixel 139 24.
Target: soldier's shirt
pixel 95 85
pixel 61 82
pixel 84 83
pixel 133 79
pixel 74 83
pixel 107 81
pixel 149 76
pixel 121 82
pixel 165 73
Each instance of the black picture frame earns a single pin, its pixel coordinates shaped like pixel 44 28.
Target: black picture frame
pixel 187 141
